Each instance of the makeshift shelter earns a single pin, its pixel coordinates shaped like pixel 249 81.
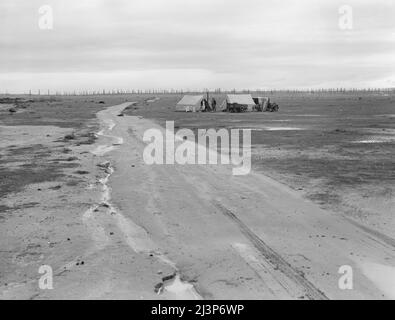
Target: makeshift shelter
pixel 190 103
pixel 242 102
pixel 262 102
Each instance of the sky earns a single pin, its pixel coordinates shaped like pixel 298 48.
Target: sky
pixel 195 44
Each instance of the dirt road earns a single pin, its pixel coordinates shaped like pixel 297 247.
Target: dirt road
pixel 231 236
pixel 199 232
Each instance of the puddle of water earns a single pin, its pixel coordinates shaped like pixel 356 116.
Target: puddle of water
pixel 97 231
pixel 305 115
pixel 382 276
pixel 245 252
pixel 136 237
pixel 278 129
pixel 181 290
pixel 118 141
pixel 102 150
pixel 153 100
pixel 379 131
pixel 377 139
pixel 385 115
pixel 110 124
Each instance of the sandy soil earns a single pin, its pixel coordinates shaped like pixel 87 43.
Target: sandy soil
pixel 192 231
pixel 338 149
pixel 213 225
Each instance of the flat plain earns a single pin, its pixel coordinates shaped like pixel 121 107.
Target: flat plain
pixel 75 194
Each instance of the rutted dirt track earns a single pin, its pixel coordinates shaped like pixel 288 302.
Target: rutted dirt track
pixel 237 237
pixel 275 260
pixel 198 232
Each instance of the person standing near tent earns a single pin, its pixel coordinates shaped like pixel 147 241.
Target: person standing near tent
pixel 213 105
pixel 204 105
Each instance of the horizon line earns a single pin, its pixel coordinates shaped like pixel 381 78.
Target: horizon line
pixel 48 92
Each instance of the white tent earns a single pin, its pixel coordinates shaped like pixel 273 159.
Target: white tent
pixel 241 99
pixel 190 103
pixel 263 103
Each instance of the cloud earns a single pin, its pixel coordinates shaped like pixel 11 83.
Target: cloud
pixel 216 43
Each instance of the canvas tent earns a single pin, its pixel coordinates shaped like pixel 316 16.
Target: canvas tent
pixel 238 99
pixel 190 103
pixel 262 102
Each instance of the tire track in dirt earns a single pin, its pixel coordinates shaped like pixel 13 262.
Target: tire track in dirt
pixel 378 235
pixel 273 258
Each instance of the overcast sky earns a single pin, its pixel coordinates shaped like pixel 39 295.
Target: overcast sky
pixel 195 44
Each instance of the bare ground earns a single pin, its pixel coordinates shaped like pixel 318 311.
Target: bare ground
pixel 174 231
